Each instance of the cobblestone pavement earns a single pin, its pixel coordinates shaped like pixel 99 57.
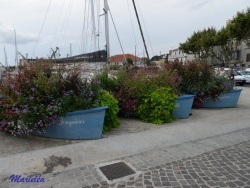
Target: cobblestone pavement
pixel 208 166
pixel 229 167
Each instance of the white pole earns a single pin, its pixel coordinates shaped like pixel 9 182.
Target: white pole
pixel 70 50
pixel 6 60
pixel 107 29
pixel 16 58
pixel 93 22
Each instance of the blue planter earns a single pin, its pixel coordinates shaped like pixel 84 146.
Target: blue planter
pixel 84 124
pixel 183 106
pixel 226 100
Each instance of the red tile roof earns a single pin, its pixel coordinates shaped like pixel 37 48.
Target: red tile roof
pixel 120 58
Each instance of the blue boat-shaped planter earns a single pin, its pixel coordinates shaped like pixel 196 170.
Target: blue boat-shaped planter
pixel 183 106
pixel 84 124
pixel 226 100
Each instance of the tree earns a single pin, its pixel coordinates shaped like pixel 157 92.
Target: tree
pixel 239 28
pixel 220 44
pixel 130 62
pixel 200 44
pixel 225 45
pixel 211 43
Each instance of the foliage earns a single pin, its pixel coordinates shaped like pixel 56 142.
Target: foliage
pixel 127 103
pixel 200 79
pixel 156 58
pixel 109 81
pixel 157 107
pixel 130 61
pixel 77 93
pixel 199 43
pixel 27 100
pixel 34 97
pixel 208 42
pixel 139 83
pixel 239 28
pixel 111 120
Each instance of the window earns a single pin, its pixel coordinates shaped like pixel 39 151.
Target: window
pixel 238 55
pixel 248 58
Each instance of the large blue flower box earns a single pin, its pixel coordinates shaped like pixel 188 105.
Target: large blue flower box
pixel 226 100
pixel 84 124
pixel 183 106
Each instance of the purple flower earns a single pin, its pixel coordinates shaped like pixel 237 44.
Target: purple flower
pixel 33 89
pixel 12 86
pixel 25 111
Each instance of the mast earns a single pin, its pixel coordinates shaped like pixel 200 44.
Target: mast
pixel 5 55
pixel 16 56
pixel 106 9
pixel 93 22
pixel 145 46
pixel 70 50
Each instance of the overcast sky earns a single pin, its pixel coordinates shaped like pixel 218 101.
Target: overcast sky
pixel 42 25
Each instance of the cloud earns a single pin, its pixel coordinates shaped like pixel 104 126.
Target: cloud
pixel 7 35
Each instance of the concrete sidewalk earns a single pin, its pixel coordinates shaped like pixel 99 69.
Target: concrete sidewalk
pixel 205 131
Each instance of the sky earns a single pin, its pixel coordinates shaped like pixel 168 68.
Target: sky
pixel 41 26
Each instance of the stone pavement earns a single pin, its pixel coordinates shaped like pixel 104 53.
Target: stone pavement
pixel 217 161
pixel 210 149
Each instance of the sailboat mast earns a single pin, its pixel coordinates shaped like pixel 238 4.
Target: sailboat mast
pixel 16 58
pixel 106 9
pixel 6 60
pixel 93 22
pixel 145 46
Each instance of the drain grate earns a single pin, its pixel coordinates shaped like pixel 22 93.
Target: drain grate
pixel 116 170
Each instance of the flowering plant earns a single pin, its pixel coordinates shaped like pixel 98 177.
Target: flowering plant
pixel 200 79
pixel 131 86
pixel 34 97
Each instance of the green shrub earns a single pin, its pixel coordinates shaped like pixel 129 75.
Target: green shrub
pixel 141 82
pixel 200 79
pixel 138 83
pixel 158 106
pixel 111 120
pixel 109 81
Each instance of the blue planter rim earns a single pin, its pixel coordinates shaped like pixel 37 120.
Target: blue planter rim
pixel 185 96
pixel 235 90
pixel 92 110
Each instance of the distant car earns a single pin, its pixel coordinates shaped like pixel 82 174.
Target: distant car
pixel 246 74
pixel 239 79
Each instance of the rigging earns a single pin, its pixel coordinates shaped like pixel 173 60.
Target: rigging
pixel 145 46
pixel 33 53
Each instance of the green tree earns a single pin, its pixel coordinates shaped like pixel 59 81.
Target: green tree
pixel 130 61
pixel 200 43
pixel 225 45
pixel 219 44
pixel 239 28
pixel 211 43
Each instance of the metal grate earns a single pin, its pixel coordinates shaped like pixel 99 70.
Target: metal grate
pixel 116 170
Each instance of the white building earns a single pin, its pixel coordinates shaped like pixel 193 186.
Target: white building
pixel 178 55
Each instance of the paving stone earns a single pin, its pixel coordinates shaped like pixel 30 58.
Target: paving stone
pixel 212 169
pixel 224 167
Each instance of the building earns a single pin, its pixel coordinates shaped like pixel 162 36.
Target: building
pixel 120 59
pixel 239 57
pixel 178 55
